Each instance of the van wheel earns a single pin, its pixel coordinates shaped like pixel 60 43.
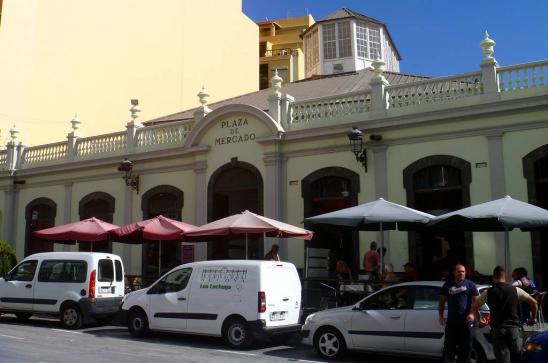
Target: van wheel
pixel 23 316
pixel 329 343
pixel 71 317
pixel 237 334
pixel 138 323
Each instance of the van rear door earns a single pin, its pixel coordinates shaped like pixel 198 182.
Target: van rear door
pixel 282 292
pixel 110 278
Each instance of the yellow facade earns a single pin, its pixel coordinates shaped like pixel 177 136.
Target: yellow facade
pixel 61 57
pixel 281 48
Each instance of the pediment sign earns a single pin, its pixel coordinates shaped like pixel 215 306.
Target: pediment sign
pixel 237 129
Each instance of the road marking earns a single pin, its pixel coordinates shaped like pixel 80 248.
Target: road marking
pixel 11 337
pixel 67 331
pixel 229 351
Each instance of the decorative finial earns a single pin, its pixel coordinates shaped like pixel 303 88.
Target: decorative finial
pixel 488 46
pixel 203 95
pixel 75 123
pixel 378 67
pixel 134 110
pixel 13 132
pixel 276 82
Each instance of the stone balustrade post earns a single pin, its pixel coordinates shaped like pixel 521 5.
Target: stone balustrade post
pixel 274 100
pixel 488 65
pixel 19 155
pixel 379 97
pixel 286 111
pixel 72 137
pixel 132 127
pixel 11 150
pixel 203 110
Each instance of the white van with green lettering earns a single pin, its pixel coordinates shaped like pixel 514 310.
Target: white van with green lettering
pixel 235 299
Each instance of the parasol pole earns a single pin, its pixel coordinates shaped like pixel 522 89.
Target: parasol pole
pixel 160 258
pixel 506 249
pixel 382 246
pixel 246 246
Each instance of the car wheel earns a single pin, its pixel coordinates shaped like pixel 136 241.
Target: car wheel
pixel 237 334
pixel 71 317
pixel 23 316
pixel 329 343
pixel 138 323
pixel 477 355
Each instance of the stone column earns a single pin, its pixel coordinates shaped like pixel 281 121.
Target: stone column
pixel 200 204
pixel 68 208
pixel 10 215
pixel 498 186
pixel 275 193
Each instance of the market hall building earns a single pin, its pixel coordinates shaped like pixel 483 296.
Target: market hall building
pixel 434 144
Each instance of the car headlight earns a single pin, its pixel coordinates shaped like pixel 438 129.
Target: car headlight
pixel 532 347
pixel 308 318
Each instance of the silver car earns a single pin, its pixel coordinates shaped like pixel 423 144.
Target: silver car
pixel 398 320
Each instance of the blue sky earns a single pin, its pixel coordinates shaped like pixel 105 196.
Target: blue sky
pixel 438 37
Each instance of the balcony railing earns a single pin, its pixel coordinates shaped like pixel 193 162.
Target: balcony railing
pixel 173 133
pixel 434 90
pixel 280 52
pixel 518 81
pixel 101 144
pixel 44 153
pixel 523 76
pixel 330 108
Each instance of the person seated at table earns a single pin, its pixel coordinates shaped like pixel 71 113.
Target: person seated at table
pixel 272 255
pixel 521 280
pixel 410 273
pixel 342 271
pixel 388 276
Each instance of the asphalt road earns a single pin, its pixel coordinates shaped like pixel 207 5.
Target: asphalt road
pixel 44 341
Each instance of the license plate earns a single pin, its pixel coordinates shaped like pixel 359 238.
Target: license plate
pixel 278 315
pixel 107 289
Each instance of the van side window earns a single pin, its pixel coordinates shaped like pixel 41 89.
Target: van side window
pixel 173 282
pixel 106 271
pixel 63 271
pixel 119 270
pixel 24 272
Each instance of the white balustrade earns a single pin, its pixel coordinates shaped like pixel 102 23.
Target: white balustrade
pixel 330 107
pixel 434 90
pixel 163 134
pixel 3 159
pixel 100 144
pixel 523 76
pixel 43 153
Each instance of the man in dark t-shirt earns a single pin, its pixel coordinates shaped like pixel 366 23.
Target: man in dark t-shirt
pixel 460 294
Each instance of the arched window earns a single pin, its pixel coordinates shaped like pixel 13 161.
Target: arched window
pixel 233 188
pixel 438 184
pixel 326 190
pixel 535 171
pixel 99 205
pixel 39 214
pixel 163 200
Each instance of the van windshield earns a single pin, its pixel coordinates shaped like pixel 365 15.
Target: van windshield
pixel 106 271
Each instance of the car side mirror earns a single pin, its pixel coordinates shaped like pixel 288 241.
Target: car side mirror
pixel 6 277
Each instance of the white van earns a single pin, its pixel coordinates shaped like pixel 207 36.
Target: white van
pixel 80 287
pixel 235 299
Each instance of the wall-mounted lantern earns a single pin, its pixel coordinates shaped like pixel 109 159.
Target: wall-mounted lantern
pixel 356 146
pixel 131 180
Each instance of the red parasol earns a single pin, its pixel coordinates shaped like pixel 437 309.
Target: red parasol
pixel 87 230
pixel 249 223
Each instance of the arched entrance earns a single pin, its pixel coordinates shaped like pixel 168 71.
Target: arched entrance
pixel 163 200
pixel 39 214
pixel 535 171
pixel 327 190
pixel 233 188
pixel 99 205
pixel 437 185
